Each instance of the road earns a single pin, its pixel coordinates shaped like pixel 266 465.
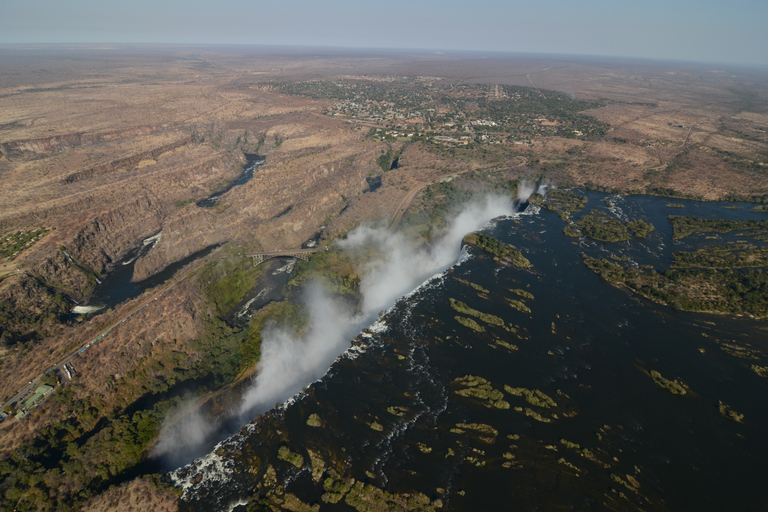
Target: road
pixel 397 217
pixel 35 383
pixel 393 225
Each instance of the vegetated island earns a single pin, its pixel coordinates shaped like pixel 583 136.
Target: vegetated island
pixel 726 278
pixel 692 289
pixel 506 254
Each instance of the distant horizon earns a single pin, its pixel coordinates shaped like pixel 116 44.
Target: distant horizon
pixel 701 31
pixel 390 50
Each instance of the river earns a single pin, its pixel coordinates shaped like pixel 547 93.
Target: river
pixel 253 162
pixel 416 407
pixel 118 285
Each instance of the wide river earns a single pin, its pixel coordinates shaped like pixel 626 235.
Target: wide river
pixel 417 405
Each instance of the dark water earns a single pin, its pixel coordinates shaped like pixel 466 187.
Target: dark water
pixel 374 183
pixel 391 416
pixel 252 163
pixel 117 286
pixel 269 287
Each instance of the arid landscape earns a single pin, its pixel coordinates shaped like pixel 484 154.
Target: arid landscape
pixel 104 148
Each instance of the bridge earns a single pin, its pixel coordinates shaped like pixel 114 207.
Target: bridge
pixel 302 254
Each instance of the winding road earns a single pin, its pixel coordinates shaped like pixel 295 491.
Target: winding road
pixel 397 216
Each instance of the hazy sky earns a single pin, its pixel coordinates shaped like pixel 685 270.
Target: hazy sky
pixel 700 30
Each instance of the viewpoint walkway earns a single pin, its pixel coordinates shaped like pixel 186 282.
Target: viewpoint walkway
pixel 302 254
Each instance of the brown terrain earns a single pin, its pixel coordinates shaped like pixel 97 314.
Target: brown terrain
pixel 108 147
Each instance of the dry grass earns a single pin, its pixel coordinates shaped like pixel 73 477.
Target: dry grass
pixel 138 495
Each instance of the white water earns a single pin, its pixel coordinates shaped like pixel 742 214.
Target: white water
pixel 84 310
pixel 290 362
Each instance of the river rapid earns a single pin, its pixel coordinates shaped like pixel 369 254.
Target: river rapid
pixel 556 408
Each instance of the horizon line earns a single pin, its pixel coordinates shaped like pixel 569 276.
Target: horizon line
pixel 378 49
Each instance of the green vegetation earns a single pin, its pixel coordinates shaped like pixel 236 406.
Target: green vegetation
pixel 182 203
pixel 479 388
pixel 73 458
pixel 475 286
pixel 13 244
pixel 397 410
pixel 485 433
pixel 50 378
pixel 225 282
pixel 506 345
pixel 532 396
pixel 98 444
pixel 760 208
pixel 284 313
pixel 727 412
pixel 336 488
pixel 533 414
pixel 512 113
pixel 724 256
pixel 525 111
pixel 684 226
pixel 368 498
pixel 336 270
pixel 284 453
pixel 318 464
pixel 386 159
pixel 469 323
pixel 692 289
pixel 314 420
pixel 439 202
pixel 518 305
pixel 640 228
pixel 501 251
pixel 599 226
pixel 561 200
pixel 22 321
pixel 521 293
pixel 675 387
pixel 460 307
pixel 570 445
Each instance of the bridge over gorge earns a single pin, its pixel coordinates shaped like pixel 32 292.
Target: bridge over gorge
pixel 302 254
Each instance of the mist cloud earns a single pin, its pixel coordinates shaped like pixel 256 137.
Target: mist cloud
pixel 184 431
pixel 289 363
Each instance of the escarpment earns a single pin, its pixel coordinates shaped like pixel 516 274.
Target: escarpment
pixel 129 161
pixel 281 207
pixel 35 149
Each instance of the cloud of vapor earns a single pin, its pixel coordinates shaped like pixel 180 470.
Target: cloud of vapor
pixel 184 432
pixel 289 363
pixel 524 191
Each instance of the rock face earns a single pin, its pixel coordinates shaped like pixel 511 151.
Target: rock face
pixel 105 192
pixel 129 161
pixel 35 149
